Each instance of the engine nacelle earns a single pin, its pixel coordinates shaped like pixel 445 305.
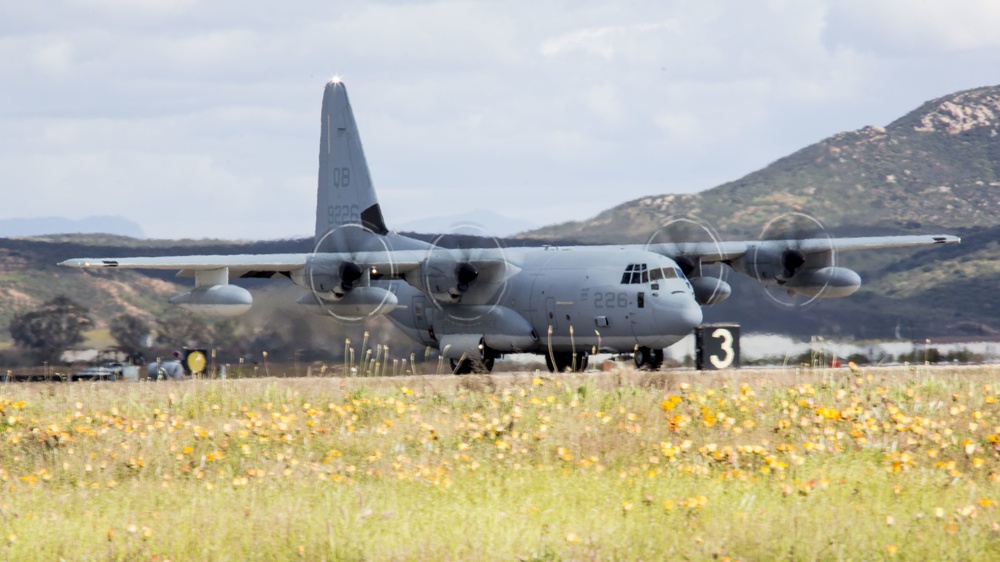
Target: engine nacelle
pixel 825 282
pixel 444 279
pixel 710 290
pixel 215 300
pixel 334 279
pixel 769 264
pixel 360 302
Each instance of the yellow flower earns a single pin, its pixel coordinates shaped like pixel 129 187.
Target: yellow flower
pixel 571 536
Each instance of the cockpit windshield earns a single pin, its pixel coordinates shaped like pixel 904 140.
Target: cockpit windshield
pixel 639 273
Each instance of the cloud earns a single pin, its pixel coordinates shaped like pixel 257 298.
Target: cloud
pixel 915 27
pixel 550 110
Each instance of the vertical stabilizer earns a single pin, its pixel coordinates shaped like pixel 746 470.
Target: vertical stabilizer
pixel 345 195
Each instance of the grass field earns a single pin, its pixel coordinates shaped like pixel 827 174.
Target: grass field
pixel 750 465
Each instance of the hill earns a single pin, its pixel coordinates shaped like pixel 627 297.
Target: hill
pixel 29 275
pixel 934 168
pixel 43 225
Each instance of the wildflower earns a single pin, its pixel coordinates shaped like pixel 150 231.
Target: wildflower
pixel 967 511
pixel 670 402
pixel 571 536
pixel 696 502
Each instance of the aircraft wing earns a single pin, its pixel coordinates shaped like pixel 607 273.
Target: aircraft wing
pixel 713 252
pixel 270 262
pixel 254 265
pixel 873 242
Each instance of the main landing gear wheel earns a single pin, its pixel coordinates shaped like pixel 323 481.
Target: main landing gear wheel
pixel 648 359
pixel 467 366
pixel 564 361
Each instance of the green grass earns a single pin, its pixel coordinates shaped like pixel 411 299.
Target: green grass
pixel 749 466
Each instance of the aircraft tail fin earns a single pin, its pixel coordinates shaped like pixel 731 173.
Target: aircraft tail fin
pixel 344 195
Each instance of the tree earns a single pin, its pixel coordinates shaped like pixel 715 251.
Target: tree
pixel 177 330
pixel 53 328
pixel 130 331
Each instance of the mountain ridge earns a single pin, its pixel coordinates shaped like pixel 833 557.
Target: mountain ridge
pixel 99 224
pixel 935 167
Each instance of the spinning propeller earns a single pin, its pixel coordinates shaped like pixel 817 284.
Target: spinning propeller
pixel 342 287
pixel 689 241
pixel 793 229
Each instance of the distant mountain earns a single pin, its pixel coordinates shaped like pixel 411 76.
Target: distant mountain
pixel 59 225
pixel 483 222
pixel 936 168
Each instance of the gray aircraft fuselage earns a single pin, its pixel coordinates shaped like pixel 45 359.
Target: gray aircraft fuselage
pixel 563 300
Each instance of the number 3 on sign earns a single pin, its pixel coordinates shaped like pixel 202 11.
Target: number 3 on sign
pixel 727 348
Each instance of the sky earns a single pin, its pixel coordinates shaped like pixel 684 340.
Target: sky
pixel 200 118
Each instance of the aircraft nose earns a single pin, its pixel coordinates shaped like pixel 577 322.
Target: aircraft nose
pixel 678 314
pixel 690 316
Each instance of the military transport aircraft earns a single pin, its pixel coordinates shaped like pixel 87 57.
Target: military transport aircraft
pixel 477 304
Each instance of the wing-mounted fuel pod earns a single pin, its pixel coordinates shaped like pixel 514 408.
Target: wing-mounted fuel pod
pixel 213 295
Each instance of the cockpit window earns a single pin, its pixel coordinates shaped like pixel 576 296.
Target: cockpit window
pixel 627 276
pixel 635 274
pixel 664 273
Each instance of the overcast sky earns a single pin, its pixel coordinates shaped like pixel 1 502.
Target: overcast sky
pixel 201 118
